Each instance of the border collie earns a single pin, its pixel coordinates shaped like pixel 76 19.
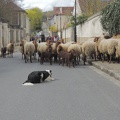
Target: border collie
pixel 38 77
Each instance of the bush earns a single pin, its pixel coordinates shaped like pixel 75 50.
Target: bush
pixel 111 18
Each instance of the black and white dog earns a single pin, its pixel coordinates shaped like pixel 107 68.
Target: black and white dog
pixel 38 77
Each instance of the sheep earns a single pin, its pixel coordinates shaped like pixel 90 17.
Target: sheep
pixel 106 46
pixel 63 46
pixel 54 49
pixel 42 47
pixel 36 46
pixel 67 57
pixel 29 50
pixel 78 49
pixel 10 48
pixel 61 55
pixel 3 52
pixel 21 47
pixel 112 45
pixel 103 48
pixel 47 55
pixel 88 49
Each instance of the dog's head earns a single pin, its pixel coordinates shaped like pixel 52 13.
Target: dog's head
pixel 49 71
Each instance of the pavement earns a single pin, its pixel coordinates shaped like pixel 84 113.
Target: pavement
pixel 113 69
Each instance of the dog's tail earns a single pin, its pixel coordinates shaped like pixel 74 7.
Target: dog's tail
pixel 27 83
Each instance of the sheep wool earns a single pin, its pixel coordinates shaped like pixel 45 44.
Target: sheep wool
pixel 29 50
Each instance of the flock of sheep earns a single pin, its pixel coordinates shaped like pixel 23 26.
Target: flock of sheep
pixel 69 53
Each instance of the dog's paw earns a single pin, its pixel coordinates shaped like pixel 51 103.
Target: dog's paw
pixel 28 84
pixel 52 78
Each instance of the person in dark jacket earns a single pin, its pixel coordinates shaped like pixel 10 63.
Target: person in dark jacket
pixel 42 38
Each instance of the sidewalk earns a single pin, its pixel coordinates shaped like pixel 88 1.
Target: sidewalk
pixel 113 69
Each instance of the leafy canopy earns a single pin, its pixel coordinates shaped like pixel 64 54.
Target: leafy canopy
pixel 79 20
pixel 35 15
pixel 110 19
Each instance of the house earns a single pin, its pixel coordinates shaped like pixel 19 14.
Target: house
pixel 15 26
pixel 61 17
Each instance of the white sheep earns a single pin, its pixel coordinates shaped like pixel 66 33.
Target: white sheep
pixel 78 49
pixel 88 49
pixel 22 51
pixel 42 47
pixel 54 49
pixel 21 47
pixel 10 48
pixel 63 46
pixel 112 45
pixel 106 46
pixel 29 50
pixel 36 46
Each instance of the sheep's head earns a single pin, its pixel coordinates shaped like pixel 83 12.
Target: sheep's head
pixel 73 52
pixel 49 46
pixel 35 44
pixel 22 42
pixel 61 40
pixel 96 39
pixel 49 49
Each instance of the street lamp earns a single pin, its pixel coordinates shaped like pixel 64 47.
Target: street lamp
pixel 60 23
pixel 75 33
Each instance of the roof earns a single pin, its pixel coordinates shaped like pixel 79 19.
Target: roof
pixel 82 5
pixel 63 10
pixel 15 7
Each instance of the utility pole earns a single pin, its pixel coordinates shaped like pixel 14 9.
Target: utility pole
pixel 75 33
pixel 60 23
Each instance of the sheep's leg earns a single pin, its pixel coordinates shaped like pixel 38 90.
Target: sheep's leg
pixel 55 58
pixel 31 58
pixel 84 59
pixel 63 61
pixel 12 54
pixel 59 60
pixel 41 60
pixel 25 59
pixel 103 57
pixel 110 58
pixel 50 61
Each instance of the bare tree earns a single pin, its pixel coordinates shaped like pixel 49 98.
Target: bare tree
pixel 90 7
pixel 6 9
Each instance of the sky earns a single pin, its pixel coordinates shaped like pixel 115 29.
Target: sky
pixel 45 5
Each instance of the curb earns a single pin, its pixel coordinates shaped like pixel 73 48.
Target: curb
pixel 112 73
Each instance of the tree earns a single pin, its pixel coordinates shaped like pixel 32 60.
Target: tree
pixel 35 15
pixel 53 28
pixel 111 18
pixel 80 19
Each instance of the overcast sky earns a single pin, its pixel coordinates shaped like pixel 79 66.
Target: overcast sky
pixel 46 5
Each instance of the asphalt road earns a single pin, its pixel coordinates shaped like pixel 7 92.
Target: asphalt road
pixel 81 93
